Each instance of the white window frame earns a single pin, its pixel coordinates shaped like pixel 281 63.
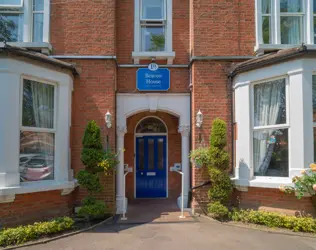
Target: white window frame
pixel 40 130
pixel 138 54
pixel 7 6
pixel 254 128
pixel 275 32
pixel 27 10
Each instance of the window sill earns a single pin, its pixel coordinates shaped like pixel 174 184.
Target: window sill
pixel 273 47
pixel 137 56
pixel 44 48
pixel 262 182
pixel 7 194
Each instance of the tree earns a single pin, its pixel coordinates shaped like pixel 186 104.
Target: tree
pixel 6 29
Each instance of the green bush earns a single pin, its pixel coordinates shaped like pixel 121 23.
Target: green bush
pixel 90 181
pixel 22 234
pixel 296 224
pixel 217 210
pixel 95 210
pixel 91 158
pixel 218 136
pixel 219 162
pixel 92 136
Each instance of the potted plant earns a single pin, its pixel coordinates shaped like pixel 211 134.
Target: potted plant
pixel 200 157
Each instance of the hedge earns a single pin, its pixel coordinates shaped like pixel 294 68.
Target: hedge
pixel 275 220
pixel 22 234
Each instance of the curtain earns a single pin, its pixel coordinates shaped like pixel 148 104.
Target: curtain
pixel 43 110
pixel 269 104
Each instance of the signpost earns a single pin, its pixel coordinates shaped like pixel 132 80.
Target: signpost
pixel 153 78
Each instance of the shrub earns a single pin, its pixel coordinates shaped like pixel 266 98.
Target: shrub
pixel 93 210
pixel 221 186
pixel 200 157
pixel 296 224
pixel 217 210
pixel 92 136
pixel 219 162
pixel 90 181
pixel 22 234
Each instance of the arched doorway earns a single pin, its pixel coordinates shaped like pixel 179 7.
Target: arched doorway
pixel 151 158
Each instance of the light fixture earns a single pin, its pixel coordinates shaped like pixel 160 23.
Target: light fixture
pixel 199 119
pixel 107 118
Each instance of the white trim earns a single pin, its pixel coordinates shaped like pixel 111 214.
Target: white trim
pixel 267 182
pixel 8 6
pixel 167 160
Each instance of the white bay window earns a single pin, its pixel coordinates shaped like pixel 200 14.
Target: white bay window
pixel 24 21
pixel 153 30
pixel 285 23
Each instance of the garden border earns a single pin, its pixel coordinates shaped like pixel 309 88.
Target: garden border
pixel 44 241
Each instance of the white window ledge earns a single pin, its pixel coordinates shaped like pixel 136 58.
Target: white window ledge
pixel 7 194
pixel 45 48
pixel 169 56
pixel 272 47
pixel 266 182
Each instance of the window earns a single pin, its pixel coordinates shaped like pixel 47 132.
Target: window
pixel 151 125
pixel 270 132
pixel 153 21
pixel 153 30
pixel 37 135
pixel 282 21
pixel 314 20
pixel 24 21
pixel 314 114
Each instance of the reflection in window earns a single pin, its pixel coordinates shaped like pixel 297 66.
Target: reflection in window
pixel 36 156
pixel 271 153
pixel 151 125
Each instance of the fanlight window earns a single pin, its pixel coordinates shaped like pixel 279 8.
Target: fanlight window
pixel 151 125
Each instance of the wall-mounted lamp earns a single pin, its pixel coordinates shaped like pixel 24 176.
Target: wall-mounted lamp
pixel 199 119
pixel 108 118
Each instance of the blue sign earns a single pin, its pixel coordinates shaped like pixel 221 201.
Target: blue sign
pixel 153 80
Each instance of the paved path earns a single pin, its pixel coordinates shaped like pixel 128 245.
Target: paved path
pixel 162 230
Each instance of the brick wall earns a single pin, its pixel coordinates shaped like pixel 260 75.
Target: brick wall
pixel 83 27
pixel 174 151
pixel 210 95
pixel 222 28
pixel 273 200
pixel 28 208
pixel 93 96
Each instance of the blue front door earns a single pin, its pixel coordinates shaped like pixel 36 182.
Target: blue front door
pixel 151 176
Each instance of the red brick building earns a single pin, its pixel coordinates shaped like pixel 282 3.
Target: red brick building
pixel 68 62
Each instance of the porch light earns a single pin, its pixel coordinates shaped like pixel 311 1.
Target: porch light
pixel 199 119
pixel 108 118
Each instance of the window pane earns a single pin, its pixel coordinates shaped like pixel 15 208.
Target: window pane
pixel 38 27
pixel 314 98
pixel 291 32
pixel 153 9
pixel 270 153
pixel 38 5
pixel 38 105
pixel 151 125
pixel 291 6
pixel 160 154
pixel 314 7
pixel 270 103
pixel 266 29
pixel 11 2
pixel 153 39
pixel 37 156
pixel 266 6
pixel 11 27
pixel 314 30
pixel 141 157
pixel 151 154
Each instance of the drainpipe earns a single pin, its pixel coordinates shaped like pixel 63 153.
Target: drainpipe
pixel 231 92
